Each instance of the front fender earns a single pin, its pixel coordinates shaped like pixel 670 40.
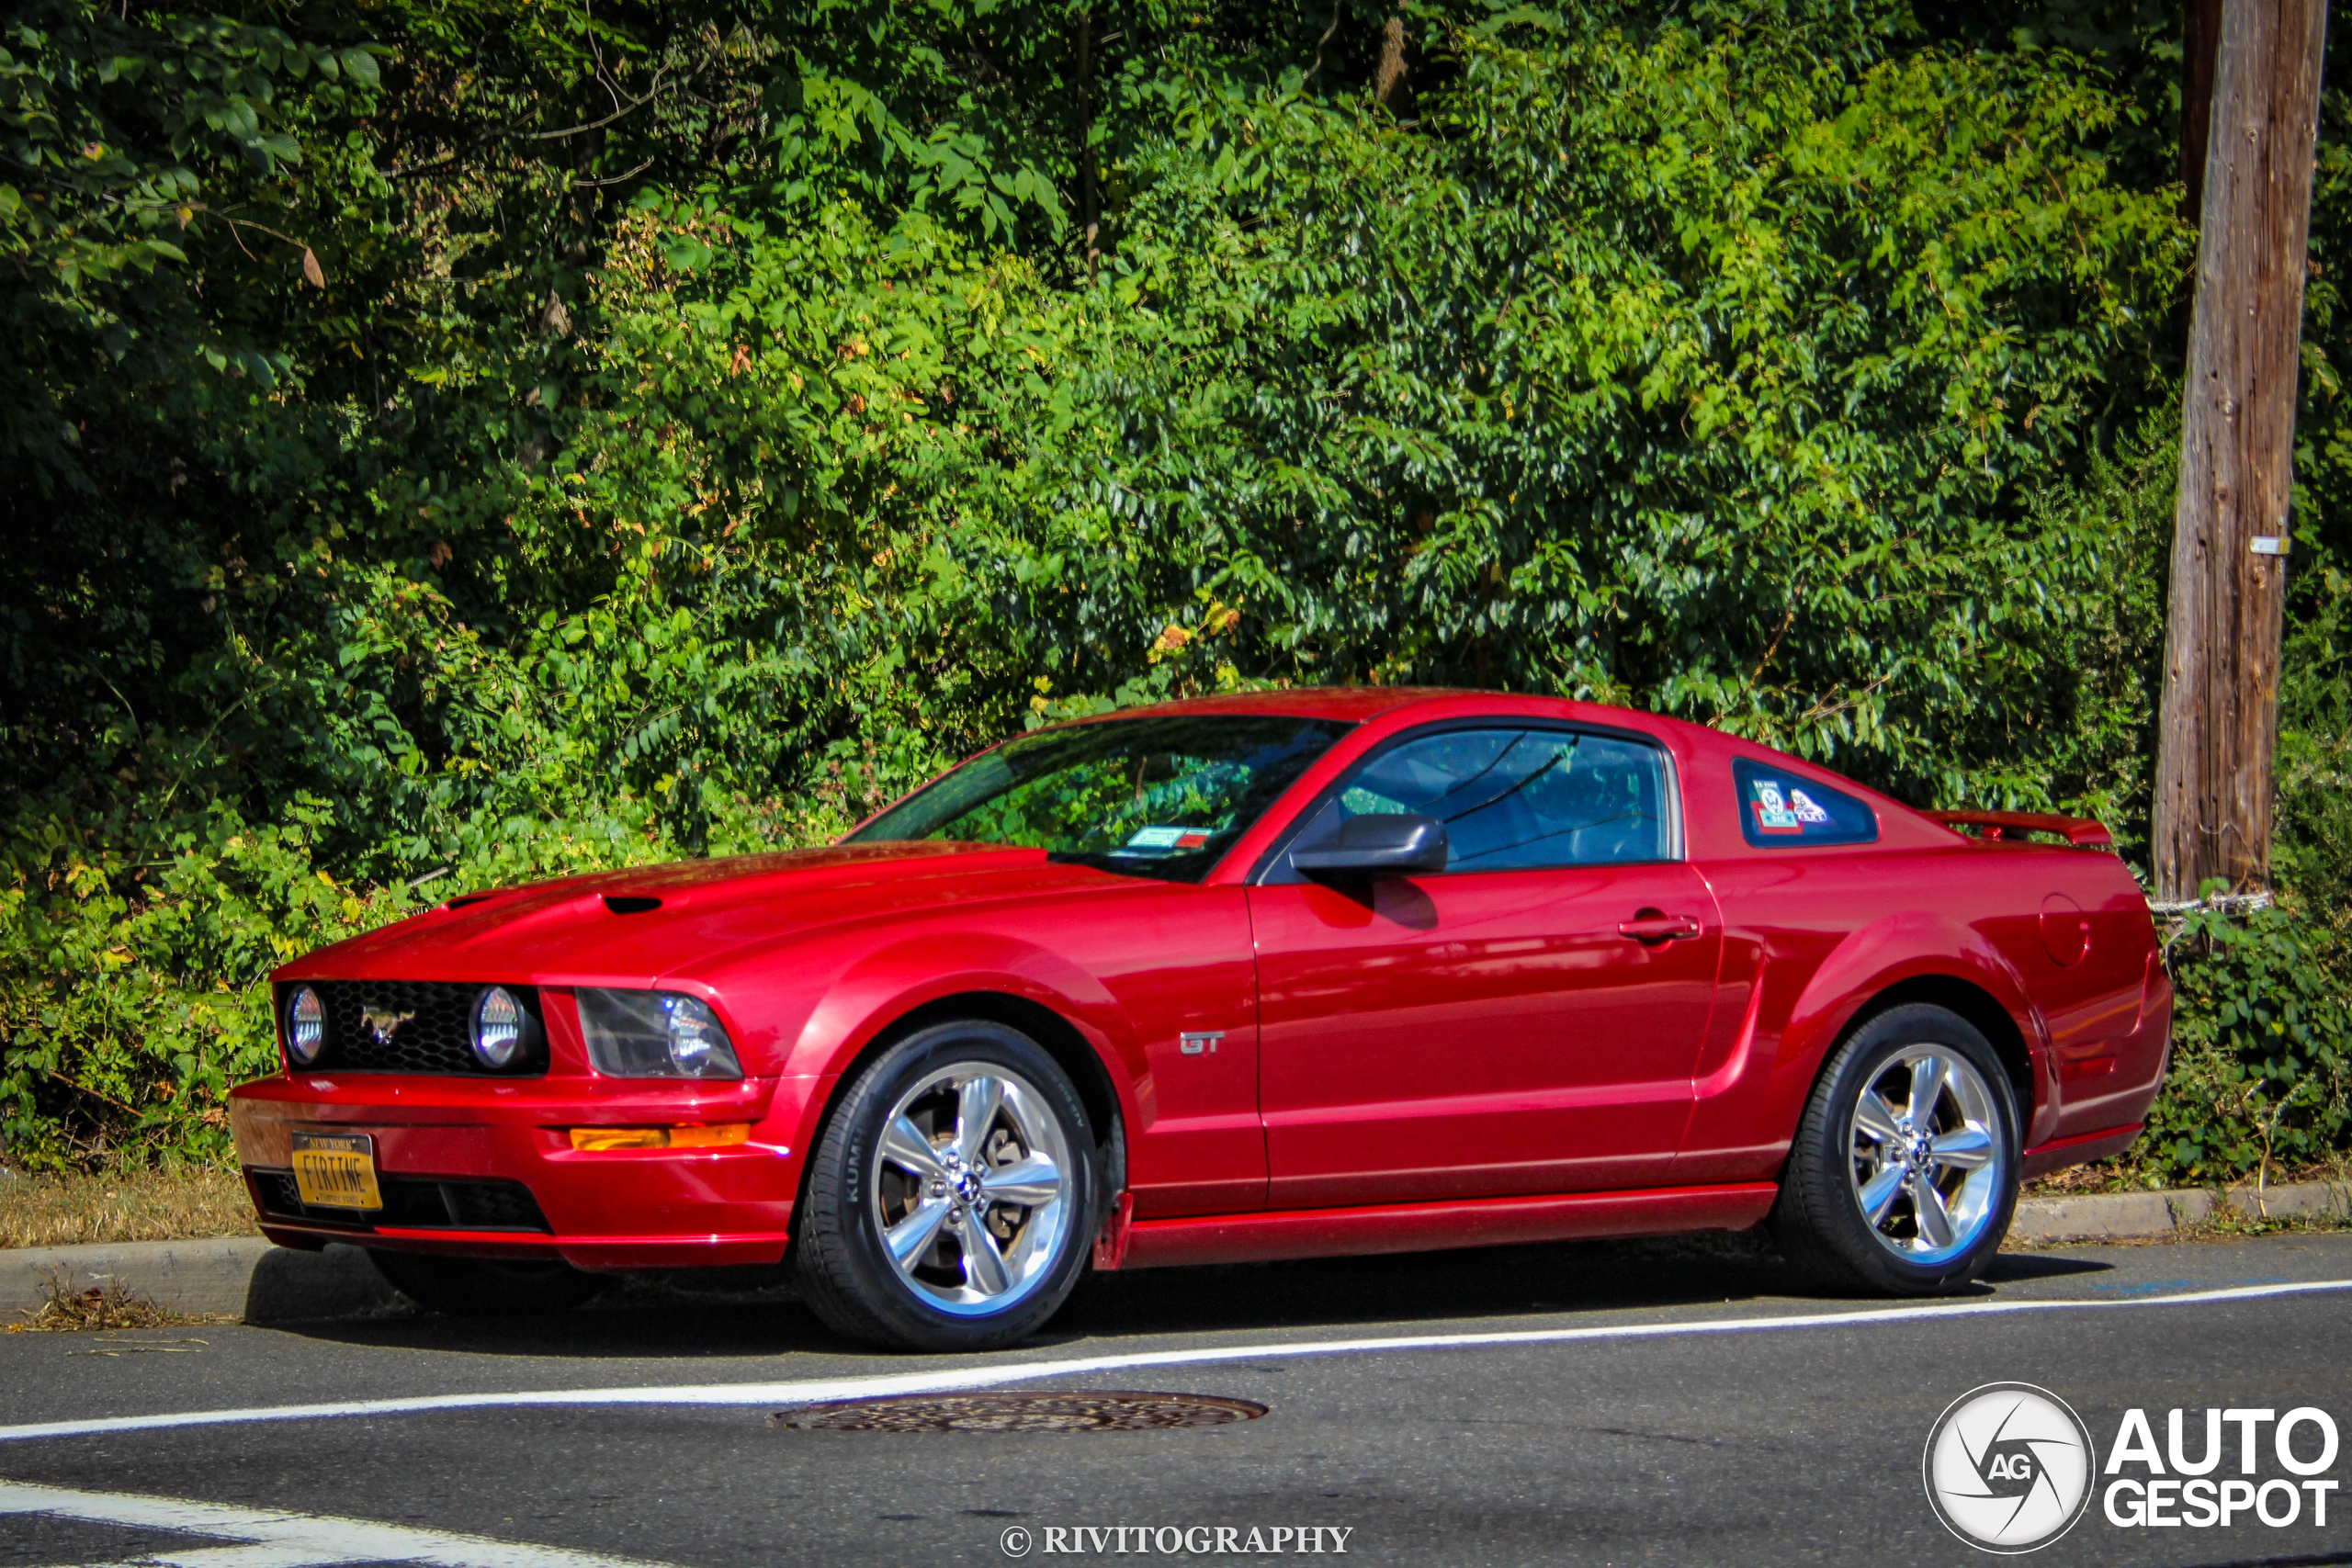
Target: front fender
pixel 887 985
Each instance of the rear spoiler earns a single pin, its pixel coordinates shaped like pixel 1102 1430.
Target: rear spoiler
pixel 2079 831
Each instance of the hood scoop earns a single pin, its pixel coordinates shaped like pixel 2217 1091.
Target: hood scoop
pixel 631 903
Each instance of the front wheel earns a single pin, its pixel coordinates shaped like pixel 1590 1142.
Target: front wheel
pixel 955 1195
pixel 1904 1174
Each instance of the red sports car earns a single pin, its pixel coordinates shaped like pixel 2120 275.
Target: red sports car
pixel 1275 976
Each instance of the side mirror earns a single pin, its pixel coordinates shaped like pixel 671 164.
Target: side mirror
pixel 1404 845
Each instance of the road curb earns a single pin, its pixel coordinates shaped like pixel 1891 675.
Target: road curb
pixel 2101 1216
pixel 240 1277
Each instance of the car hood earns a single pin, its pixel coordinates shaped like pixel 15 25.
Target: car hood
pixel 633 927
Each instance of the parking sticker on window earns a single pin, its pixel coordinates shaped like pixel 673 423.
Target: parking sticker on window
pixel 1166 840
pixel 1775 813
pixel 1774 810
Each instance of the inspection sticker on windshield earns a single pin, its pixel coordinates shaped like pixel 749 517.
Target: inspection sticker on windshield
pixel 1164 840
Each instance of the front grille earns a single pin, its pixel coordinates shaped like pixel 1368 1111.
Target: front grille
pixel 412 1026
pixel 411 1202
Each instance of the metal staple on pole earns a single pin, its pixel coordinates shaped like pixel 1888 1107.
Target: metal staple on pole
pixel 2220 904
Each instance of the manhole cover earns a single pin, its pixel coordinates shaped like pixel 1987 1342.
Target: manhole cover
pixel 1023 1413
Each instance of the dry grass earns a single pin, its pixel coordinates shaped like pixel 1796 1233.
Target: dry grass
pixel 65 1310
pixel 2082 1180
pixel 65 1211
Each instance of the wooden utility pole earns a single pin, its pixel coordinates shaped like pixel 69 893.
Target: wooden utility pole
pixel 2220 714
pixel 1389 74
pixel 2200 40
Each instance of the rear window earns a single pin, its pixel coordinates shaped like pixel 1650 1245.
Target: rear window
pixel 1778 809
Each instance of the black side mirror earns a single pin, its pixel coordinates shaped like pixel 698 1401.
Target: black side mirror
pixel 1404 845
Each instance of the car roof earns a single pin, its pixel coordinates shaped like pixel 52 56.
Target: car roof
pixel 1362 704
pixel 1350 704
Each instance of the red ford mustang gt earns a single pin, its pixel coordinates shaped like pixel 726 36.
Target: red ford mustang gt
pixel 1266 977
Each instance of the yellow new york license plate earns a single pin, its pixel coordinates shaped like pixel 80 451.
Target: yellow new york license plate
pixel 337 1170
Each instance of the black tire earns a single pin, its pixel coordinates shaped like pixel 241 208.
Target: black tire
pixel 847 1273
pixel 487 1287
pixel 1835 1168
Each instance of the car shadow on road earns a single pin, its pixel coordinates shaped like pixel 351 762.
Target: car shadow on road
pixel 660 1320
pixel 1482 1283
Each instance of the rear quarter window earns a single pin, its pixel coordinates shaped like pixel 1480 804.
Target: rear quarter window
pixel 1778 810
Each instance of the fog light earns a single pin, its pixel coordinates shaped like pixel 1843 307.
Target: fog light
pixel 306 1026
pixel 499 1020
pixel 714 1135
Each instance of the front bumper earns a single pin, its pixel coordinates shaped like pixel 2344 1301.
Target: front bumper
pixel 485 1168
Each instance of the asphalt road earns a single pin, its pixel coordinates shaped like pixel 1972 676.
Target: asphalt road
pixel 1663 1404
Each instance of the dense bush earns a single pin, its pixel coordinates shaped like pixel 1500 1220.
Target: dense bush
pixel 2262 1053
pixel 533 438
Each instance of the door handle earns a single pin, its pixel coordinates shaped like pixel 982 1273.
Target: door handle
pixel 1651 926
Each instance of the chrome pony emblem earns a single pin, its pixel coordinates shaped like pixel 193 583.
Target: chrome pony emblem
pixel 382 1026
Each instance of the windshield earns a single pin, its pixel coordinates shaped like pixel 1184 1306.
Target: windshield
pixel 1161 797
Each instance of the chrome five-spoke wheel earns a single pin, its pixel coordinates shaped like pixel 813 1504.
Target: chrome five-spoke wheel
pixel 970 1188
pixel 1928 1165
pixel 951 1201
pixel 1904 1171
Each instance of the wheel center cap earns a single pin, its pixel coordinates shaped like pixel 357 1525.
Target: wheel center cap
pixel 1922 1150
pixel 967 1185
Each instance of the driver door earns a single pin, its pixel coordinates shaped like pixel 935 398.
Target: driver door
pixel 1526 1021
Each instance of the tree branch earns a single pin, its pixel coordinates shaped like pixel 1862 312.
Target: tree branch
pixel 651 93
pixel 404 170
pixel 1319 43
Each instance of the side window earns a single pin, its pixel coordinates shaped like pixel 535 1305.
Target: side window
pixel 1778 809
pixel 1513 799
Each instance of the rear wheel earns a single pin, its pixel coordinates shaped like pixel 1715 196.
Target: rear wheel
pixel 487 1287
pixel 954 1197
pixel 1904 1175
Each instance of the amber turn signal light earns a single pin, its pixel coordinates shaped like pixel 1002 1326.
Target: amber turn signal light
pixel 711 1137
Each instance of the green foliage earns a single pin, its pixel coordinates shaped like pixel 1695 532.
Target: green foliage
pixel 555 438
pixel 1692 371
pixel 122 145
pixel 2261 1072
pixel 151 1002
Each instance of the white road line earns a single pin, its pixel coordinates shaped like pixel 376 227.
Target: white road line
pixel 271 1538
pixel 994 1374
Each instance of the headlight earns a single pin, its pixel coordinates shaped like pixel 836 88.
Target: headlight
pixel 498 1025
pixel 306 1026
pixel 654 1035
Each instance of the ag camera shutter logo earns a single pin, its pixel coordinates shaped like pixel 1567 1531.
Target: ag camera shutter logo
pixel 2008 1468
